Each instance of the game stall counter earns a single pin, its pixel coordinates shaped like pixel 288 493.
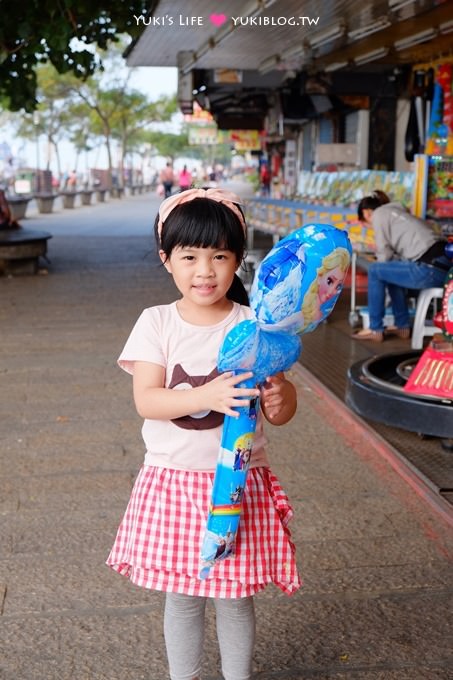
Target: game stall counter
pixel 329 198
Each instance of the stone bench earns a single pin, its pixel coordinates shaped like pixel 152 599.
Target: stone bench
pixel 100 194
pixel 86 195
pixel 45 202
pixel 18 206
pixel 69 198
pixel 20 250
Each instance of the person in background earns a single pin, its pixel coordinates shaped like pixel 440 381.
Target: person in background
pixel 409 256
pixel 167 177
pixel 6 219
pixel 185 179
pixel 265 179
pixel 72 180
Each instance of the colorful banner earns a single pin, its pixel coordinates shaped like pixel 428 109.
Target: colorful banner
pixel 243 140
pixel 202 134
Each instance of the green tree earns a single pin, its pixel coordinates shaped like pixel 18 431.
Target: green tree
pixel 169 144
pixel 101 107
pixel 132 114
pixel 79 131
pixel 40 31
pixel 112 118
pixel 51 117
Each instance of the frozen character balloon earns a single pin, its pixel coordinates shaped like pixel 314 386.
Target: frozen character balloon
pixel 323 292
pixel 295 288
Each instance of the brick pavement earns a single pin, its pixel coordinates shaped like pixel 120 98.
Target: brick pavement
pixel 376 560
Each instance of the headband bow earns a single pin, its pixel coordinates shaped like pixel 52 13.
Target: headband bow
pixel 228 198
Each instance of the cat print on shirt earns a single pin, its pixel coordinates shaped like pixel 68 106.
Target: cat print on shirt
pixel 205 420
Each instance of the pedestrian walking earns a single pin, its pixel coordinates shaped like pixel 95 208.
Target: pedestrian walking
pixel 172 354
pixel 185 179
pixel 167 178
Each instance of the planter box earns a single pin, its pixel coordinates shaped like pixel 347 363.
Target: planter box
pixel 18 206
pixel 86 197
pixel 69 199
pixel 45 202
pixel 116 192
pixel 100 193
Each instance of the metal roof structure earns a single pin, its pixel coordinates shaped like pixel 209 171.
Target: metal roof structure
pixel 323 33
pixel 271 42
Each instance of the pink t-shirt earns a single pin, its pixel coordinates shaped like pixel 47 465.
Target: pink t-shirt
pixel 189 355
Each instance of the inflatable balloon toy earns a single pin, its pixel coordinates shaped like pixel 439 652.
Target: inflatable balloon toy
pixel 295 288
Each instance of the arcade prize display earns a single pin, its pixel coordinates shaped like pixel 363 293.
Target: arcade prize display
pixel 433 198
pixel 433 190
pixel 295 288
pixel 432 137
pixel 433 374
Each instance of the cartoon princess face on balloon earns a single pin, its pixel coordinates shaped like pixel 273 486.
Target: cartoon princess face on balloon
pixel 330 284
pixel 326 287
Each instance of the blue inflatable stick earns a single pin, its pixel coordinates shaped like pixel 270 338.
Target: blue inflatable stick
pixel 295 288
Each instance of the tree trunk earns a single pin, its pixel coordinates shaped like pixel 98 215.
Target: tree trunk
pixel 109 156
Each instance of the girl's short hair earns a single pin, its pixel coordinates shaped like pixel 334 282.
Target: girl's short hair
pixel 202 223
pixel 372 202
pixel 205 223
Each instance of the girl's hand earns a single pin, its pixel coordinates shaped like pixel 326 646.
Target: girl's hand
pixel 221 394
pixel 278 399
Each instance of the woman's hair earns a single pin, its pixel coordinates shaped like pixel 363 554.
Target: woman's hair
pixel 205 223
pixel 372 202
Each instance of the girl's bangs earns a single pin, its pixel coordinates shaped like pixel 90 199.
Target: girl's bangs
pixel 203 224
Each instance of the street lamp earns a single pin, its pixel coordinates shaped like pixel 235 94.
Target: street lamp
pixel 38 174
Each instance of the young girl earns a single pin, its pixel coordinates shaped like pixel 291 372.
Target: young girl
pixel 172 355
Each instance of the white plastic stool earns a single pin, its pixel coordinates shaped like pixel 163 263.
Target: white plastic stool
pixel 422 325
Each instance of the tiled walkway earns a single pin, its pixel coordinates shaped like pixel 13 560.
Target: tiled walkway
pixel 376 558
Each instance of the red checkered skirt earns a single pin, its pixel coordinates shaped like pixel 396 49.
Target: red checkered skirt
pixel 159 540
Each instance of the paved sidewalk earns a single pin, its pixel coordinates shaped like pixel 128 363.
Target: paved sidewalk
pixel 376 559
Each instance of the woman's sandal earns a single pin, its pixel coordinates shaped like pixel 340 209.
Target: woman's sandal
pixel 368 334
pixel 403 333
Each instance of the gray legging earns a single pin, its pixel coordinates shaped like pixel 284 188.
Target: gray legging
pixel 184 623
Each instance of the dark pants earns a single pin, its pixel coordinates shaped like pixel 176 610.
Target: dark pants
pixel 167 188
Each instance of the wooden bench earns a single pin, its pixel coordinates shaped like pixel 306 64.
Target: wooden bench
pixel 20 250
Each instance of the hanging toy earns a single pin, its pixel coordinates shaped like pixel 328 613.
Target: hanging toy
pixel 438 133
pixel 444 78
pixel 294 290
